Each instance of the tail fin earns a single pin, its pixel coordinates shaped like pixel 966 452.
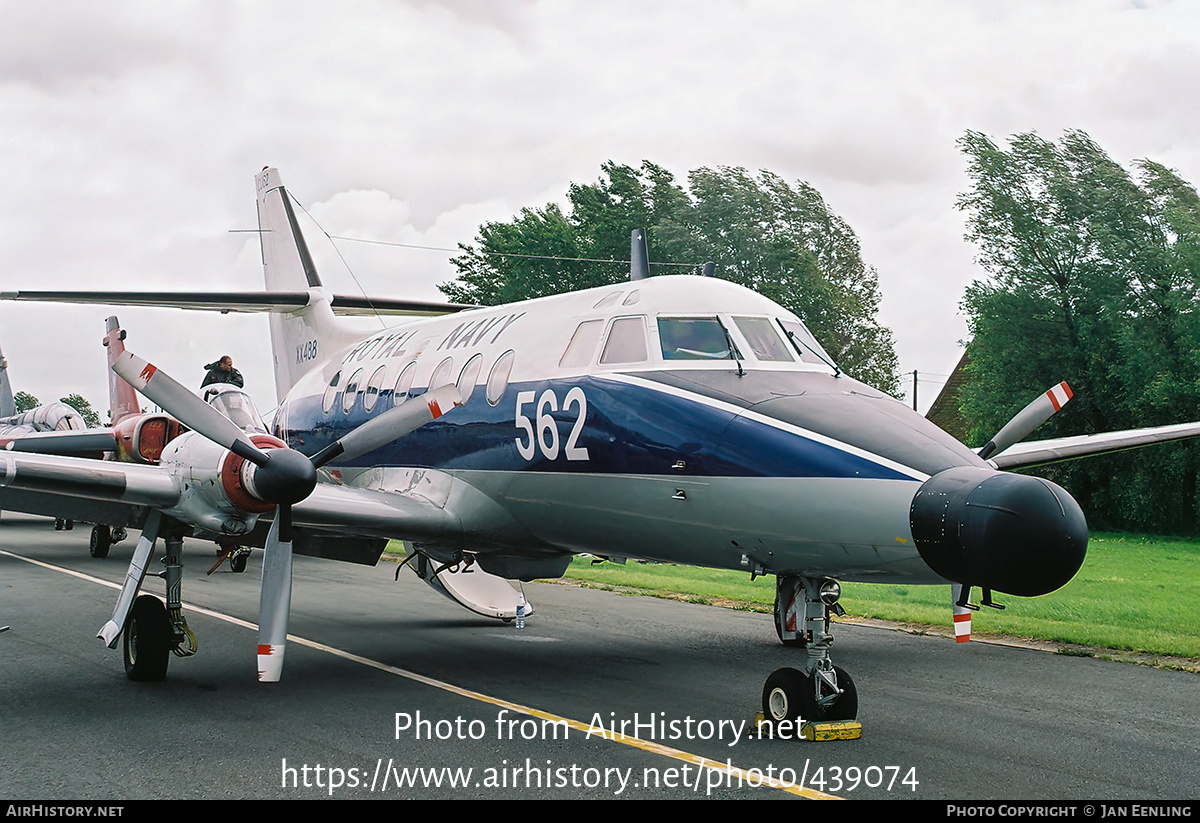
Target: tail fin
pixel 306 337
pixel 8 406
pixel 122 399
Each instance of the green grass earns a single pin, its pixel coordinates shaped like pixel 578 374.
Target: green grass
pixel 1135 593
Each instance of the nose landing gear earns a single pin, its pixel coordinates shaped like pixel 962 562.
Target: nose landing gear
pixel 821 691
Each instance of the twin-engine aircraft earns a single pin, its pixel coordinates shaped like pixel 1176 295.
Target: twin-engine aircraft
pixel 680 419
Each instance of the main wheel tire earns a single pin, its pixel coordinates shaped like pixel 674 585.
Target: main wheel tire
pixel 101 541
pixel 237 563
pixel 784 695
pixel 147 646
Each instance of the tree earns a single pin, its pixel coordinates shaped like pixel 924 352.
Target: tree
pixel 786 244
pixel 25 401
pixel 781 241
pixel 81 405
pixel 1093 275
pixel 544 251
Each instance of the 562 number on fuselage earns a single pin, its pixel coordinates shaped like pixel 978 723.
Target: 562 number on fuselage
pixel 541 430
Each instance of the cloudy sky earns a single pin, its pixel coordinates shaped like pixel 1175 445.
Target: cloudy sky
pixel 130 133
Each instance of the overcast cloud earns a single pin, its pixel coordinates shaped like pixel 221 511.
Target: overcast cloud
pixel 131 132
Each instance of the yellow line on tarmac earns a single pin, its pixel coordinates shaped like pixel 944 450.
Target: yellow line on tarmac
pixel 743 776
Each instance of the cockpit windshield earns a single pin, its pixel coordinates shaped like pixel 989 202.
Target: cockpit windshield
pixel 695 338
pixel 238 407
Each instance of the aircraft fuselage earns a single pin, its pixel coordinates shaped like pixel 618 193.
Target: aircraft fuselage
pixel 616 422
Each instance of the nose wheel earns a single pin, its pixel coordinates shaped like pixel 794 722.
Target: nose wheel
pixel 820 691
pixel 790 694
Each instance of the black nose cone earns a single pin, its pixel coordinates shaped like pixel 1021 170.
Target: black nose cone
pixel 1008 532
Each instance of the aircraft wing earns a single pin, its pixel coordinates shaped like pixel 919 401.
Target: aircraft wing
pixel 1038 452
pixel 100 491
pixel 238 301
pixel 80 488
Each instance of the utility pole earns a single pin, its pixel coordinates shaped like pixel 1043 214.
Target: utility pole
pixel 914 389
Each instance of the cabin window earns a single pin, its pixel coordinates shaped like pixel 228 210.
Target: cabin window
pixel 403 384
pixel 694 338
pixel 582 347
pixel 441 375
pixel 764 340
pixel 351 393
pixel 498 379
pixel 806 345
pixel 373 386
pixel 626 341
pixel 330 393
pixel 470 373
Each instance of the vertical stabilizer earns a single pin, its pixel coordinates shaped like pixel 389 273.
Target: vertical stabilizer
pixel 639 256
pixel 300 339
pixel 122 399
pixel 8 406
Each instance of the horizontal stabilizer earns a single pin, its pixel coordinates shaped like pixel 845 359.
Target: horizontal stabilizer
pixel 261 301
pixel 1039 452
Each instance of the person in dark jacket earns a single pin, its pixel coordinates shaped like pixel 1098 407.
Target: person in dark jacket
pixel 222 372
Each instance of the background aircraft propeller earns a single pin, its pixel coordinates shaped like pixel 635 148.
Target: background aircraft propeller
pixel 280 476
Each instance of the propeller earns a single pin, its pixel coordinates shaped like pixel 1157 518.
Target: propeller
pixel 280 476
pixel 1029 418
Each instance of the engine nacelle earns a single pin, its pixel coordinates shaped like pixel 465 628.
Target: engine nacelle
pixel 213 492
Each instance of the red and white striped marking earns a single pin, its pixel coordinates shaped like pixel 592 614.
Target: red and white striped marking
pixel 1059 395
pixel 962 615
pixel 270 663
pixel 962 626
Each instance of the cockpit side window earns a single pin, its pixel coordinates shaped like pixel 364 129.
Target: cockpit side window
pixel 805 344
pixel 582 347
pixel 763 338
pixel 626 341
pixel 694 338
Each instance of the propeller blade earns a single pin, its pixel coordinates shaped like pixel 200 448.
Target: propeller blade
pixel 392 425
pixel 275 599
pixel 1028 419
pixel 186 407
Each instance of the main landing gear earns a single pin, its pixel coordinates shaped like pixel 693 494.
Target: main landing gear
pixel 822 691
pixel 237 556
pixel 102 539
pixel 150 631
